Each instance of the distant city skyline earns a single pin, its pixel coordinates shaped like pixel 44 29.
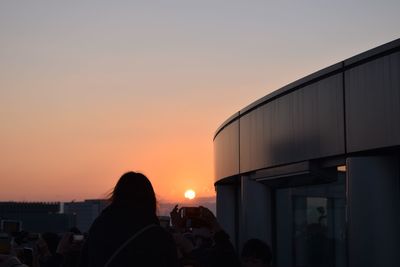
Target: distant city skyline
pixel 91 90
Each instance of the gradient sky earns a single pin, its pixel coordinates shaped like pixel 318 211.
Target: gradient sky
pixel 91 89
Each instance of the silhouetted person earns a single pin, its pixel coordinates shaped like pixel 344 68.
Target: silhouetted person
pixel 209 244
pixel 70 248
pixel 127 232
pixel 256 253
pixel 47 250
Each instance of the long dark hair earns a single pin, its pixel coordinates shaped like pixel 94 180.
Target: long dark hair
pixel 134 190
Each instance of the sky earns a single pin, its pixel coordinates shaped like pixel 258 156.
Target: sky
pixel 92 89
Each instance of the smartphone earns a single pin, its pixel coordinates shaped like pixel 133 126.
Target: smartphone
pixel 191 212
pixel 78 238
pixel 192 217
pixel 5 243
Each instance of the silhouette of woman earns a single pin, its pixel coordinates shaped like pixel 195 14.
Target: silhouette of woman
pixel 127 232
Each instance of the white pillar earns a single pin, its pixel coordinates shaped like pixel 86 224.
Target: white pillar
pixel 374 211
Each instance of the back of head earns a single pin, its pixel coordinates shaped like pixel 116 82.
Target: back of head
pixel 75 230
pixel 52 240
pixel 134 190
pixel 257 249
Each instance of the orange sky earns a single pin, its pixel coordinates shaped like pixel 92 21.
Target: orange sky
pixel 91 90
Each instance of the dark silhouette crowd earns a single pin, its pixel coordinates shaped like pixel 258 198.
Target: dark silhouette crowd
pixel 128 233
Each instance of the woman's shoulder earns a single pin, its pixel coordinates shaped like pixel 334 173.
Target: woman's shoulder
pixel 104 223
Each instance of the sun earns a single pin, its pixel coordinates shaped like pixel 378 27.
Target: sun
pixel 190 194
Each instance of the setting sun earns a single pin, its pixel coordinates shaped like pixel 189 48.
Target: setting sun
pixel 190 194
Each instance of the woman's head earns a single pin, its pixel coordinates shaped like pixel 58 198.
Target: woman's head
pixel 133 189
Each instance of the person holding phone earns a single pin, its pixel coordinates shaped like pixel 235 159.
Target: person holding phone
pixel 211 246
pixel 127 232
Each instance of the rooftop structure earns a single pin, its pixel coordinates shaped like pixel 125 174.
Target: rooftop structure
pixel 314 167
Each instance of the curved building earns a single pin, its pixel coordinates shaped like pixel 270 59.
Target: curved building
pixel 313 168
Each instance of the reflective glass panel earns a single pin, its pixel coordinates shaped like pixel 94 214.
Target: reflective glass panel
pixel 311 225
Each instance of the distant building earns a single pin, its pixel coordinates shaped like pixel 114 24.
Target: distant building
pixel 85 212
pixel 29 207
pixel 37 216
pixel 314 167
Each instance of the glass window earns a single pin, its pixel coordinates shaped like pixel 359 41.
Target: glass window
pixel 311 224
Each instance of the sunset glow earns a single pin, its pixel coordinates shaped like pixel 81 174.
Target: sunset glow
pixel 190 194
pixel 92 89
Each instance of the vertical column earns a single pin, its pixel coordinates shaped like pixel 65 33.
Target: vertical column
pixel 374 211
pixel 256 219
pixel 226 210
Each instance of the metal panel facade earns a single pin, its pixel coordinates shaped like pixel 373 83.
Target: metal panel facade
pixel 304 124
pixel 226 151
pixel 373 104
pixel 311 118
